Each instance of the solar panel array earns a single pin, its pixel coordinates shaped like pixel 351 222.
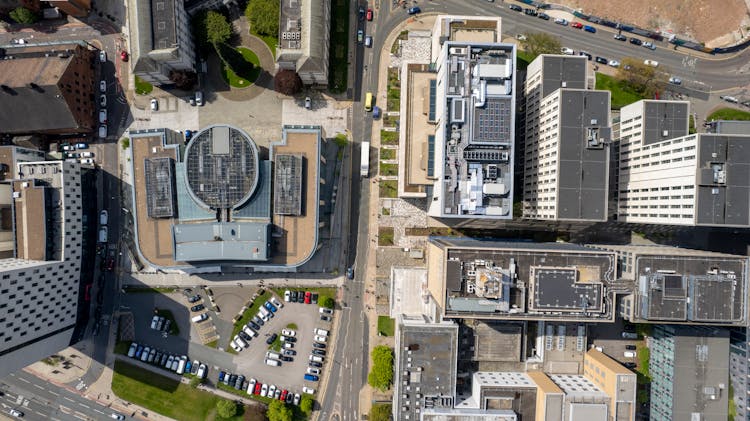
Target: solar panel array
pixel 492 122
pixel 159 187
pixel 287 193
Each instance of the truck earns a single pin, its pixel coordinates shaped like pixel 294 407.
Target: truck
pixel 364 161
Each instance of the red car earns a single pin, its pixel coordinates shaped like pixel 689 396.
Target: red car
pixel 124 55
pixel 283 395
pixel 578 25
pixel 257 388
pixel 369 14
pixel 308 295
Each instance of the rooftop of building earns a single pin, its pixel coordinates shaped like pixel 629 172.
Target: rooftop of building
pixel 500 279
pixel 477 103
pixel 468 415
pixel 606 361
pixel 497 341
pixel 577 386
pixel 29 78
pixel 303 27
pixel 660 120
pixel 425 369
pixel 221 241
pixel 729 127
pixel 154 33
pixel 417 132
pixel 553 71
pixel 408 292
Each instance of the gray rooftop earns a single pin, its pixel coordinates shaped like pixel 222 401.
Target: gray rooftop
pixel 217 241
pixel 468 415
pixel 663 120
pixel 163 28
pixel 288 191
pixel 583 161
pixel 701 289
pixel 558 289
pixel 730 127
pixel 497 341
pixel 258 207
pixel 221 166
pixel 426 358
pixel 723 180
pixel 562 71
pixel 160 190
pixel 290 24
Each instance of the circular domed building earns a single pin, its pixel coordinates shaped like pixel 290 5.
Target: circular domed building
pixel 221 167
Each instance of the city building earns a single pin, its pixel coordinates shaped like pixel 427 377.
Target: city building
pixel 689 369
pixel 160 40
pixel 76 8
pixel 521 280
pixel 304 32
pixel 616 381
pixel 54 81
pixel 216 203
pixel 39 276
pixel 739 370
pixel 676 285
pixel 565 158
pixel 668 176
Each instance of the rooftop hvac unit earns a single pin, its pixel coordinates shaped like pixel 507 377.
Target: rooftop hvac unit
pixel 665 133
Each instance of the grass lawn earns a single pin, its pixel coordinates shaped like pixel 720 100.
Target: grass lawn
pixel 239 57
pixel 292 326
pixel 387 154
pixel 338 52
pixel 386 326
pixel 213 344
pixel 251 311
pixel 142 87
pixel 174 330
pixel 394 99
pixel 388 188
pixel 388 169
pixel 385 236
pixel 622 94
pixel 162 394
pixel 388 138
pixel 729 114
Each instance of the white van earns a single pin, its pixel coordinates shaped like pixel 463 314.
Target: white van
pixel 181 366
pixel 629 354
pixel 273 355
pixel 265 312
pixel 199 318
pixel 316 358
pixel 249 331
pixel 274 363
pixel 321 332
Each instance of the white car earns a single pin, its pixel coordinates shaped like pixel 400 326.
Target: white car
pixel 320 338
pixel 103 100
pixel 308 390
pixel 241 342
pixel 16 413
pixel 271 390
pixel 87 154
pixel 68 148
pixel 649 45
pixel 154 104
pixel 249 331
pixel 154 320
pixel 288 345
pixel 276 302
pixel 82 145
pixel 103 218
pixel 262 316
pixel 651 63
pixel 103 232
pixel 568 51
pixel 235 347
pixel 201 371
pixel 103 131
pixel 133 348
pixel 264 390
pixel 313 370
pixel 324 310
pixel 614 63
pixel 297 399
pixel 251 386
pixel 288 332
pixel 102 56
pixel 728 98
pixel 521 37
pixel 103 115
pixel 287 295
pixel 116 416
pixel 561 21
pixel 144 354
pixel 103 86
pixel 675 80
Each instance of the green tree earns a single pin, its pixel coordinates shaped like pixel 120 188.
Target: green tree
pixel 643 79
pixel 541 43
pixel 380 412
pixel 23 15
pixel 326 301
pixel 226 408
pixel 218 30
pixel 263 16
pixel 381 374
pixel 278 411
pixel 306 404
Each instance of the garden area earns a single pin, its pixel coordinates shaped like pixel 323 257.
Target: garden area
pixel 394 90
pixel 386 326
pixel 388 189
pixel 729 114
pixel 386 154
pixel 388 137
pixel 241 65
pixel 622 93
pixel 142 87
pixel 385 236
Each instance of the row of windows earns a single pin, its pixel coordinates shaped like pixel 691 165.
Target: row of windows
pixel 654 215
pixel 656 207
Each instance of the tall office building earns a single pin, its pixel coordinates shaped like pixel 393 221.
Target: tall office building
pixel 566 163
pixel 668 176
pixel 39 284
pixel 689 373
pixel 739 370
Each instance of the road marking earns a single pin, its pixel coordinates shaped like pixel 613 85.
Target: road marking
pixel 54 393
pixel 98 411
pixel 39 387
pixel 68 399
pixel 84 405
pixel 23 380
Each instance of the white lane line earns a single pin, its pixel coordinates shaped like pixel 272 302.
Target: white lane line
pixel 98 411
pixel 84 405
pixel 23 380
pixel 68 399
pixel 54 393
pixel 39 387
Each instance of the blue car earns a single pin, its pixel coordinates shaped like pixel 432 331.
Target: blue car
pixel 311 377
pixel 414 10
pixel 139 351
pixel 588 28
pixel 270 307
pixel 221 375
pixel 188 364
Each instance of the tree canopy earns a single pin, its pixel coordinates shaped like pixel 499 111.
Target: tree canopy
pixel 306 404
pixel 541 43
pixel 218 29
pixel 263 16
pixel 226 408
pixel 380 412
pixel 287 82
pixel 381 374
pixel 642 78
pixel 326 301
pixel 23 15
pixel 278 411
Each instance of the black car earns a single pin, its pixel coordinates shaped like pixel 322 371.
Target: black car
pixel 543 16
pixel 583 53
pixel 530 12
pixel 289 398
pixel 620 37
pixel 271 338
pixel 319 352
pixel 286 358
pixel 361 13
pixel 301 297
pixel 158 356
pixel 315 364
pixel 232 380
pixel 244 336
pixel 293 296
pixel 319 345
pixel 325 318
pixel 314 298
pixel 194 298
pixel 629 365
pixel 167 325
pixel 198 307
pixel 258 321
pixel 630 347
pixel 290 339
pixel 601 60
pixel 635 41
pixel 240 382
pixel 289 352
pixel 253 325
pixel 515 7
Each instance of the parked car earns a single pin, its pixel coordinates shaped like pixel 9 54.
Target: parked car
pixel 82 145
pixel 561 21
pixel 350 273
pixel 631 347
pixel 635 41
pixel 369 14
pixel 293 296
pixel 629 354
pixel 271 338
pixel 614 63
pixel 103 234
pixel 649 45
pixel 103 131
pixel 297 397
pixel 311 378
pixel 103 86
pixel 414 10
pixel 287 293
pixel 194 298
pixel 530 12
pixel 222 374
pixel 264 390
pixel 103 217
pixel 288 332
pixel 132 349
pixel 289 352
pixel 124 55
pixel 368 41
pixel 568 51
pixel 319 352
pixel 318 345
pixel 103 115
pixel 270 306
pixel 313 370
pixel 589 28
pixel 543 16
pixel 154 104
pixel 361 13
pixel 144 354
pixel 324 310
pixel 307 297
pixel 199 98
pixel 728 98
pixel 315 364
pixel 257 320
pixel 320 338
pixel 513 7
pixel 652 63
pixel 314 298
pixel 325 318
pixel 198 307
pixel 102 100
pixel 16 413
pixel 360 36
pixel 199 318
pixel 629 335
pixel 675 80
pixel 102 56
pixel 253 325
pixel 167 325
pixel 577 25
pixel 620 37
pixel 601 60
pixel 170 360
pixel 87 161
pixel 300 297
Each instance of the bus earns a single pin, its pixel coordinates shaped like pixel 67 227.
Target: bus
pixel 364 161
pixel 368 101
